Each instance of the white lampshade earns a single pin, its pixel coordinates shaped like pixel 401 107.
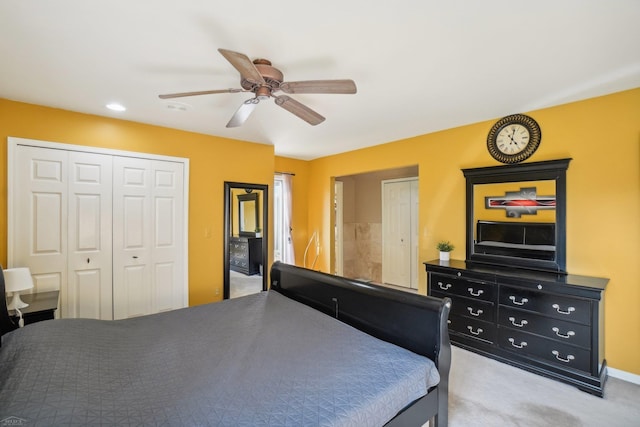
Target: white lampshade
pixel 16 280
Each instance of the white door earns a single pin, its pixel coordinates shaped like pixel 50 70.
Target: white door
pixel 132 237
pixel 399 228
pixel 88 292
pixel 39 214
pixel 168 223
pixel 147 246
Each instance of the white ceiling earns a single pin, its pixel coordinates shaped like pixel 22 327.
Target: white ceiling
pixel 420 65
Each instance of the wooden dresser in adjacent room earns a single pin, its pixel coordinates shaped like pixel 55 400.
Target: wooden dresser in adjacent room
pixel 245 254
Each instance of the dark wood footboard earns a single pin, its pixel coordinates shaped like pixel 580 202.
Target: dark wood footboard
pixel 415 322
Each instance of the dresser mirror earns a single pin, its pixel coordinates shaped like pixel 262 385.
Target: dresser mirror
pixel 245 240
pixel 516 215
pixel 248 214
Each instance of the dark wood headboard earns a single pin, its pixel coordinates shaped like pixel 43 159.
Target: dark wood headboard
pixel 415 322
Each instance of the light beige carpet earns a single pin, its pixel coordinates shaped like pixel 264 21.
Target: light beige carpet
pixel 486 393
pixel 241 284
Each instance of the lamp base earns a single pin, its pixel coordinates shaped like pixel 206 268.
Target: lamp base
pixel 16 302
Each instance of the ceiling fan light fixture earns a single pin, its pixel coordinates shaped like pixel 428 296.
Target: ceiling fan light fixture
pixel 263 93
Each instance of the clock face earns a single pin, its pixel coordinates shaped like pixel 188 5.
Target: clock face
pixel 514 138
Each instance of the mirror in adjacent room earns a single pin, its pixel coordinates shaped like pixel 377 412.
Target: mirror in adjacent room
pixel 516 215
pixel 248 214
pixel 245 238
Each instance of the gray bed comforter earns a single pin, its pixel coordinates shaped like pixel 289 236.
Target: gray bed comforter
pixel 260 360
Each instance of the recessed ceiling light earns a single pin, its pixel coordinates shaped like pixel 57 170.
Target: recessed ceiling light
pixel 116 107
pixel 178 106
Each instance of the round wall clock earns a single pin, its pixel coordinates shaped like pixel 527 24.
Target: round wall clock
pixel 514 138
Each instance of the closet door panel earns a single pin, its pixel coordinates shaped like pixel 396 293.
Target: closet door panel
pixel 88 292
pixel 168 223
pixel 132 285
pixel 39 212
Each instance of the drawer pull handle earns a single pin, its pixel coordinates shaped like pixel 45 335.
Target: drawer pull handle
pixel 569 358
pixel 521 345
pixel 477 313
pixel 519 325
pixel 444 287
pixel 523 301
pixel 569 309
pixel 557 331
pixel 475 294
pixel 477 332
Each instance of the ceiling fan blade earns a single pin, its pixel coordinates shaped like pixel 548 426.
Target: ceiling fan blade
pixel 243 64
pixel 202 92
pixel 300 110
pixel 319 86
pixel 242 114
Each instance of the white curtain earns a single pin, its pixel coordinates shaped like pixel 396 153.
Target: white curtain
pixel 288 254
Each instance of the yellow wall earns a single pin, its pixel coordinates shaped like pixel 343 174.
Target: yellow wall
pixel 212 161
pixel 602 135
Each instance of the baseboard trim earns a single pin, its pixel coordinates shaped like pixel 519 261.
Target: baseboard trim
pixel 623 375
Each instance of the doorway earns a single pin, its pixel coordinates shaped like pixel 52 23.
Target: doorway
pixel 245 238
pixel 361 244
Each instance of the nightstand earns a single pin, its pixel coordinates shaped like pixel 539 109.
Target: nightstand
pixel 42 306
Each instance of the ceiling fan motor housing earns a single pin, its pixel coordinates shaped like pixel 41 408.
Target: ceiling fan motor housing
pixel 271 75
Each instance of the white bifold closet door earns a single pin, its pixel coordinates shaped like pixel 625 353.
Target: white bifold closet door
pixel 147 220
pixel 105 230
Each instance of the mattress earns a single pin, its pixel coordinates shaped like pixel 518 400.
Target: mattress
pixel 259 360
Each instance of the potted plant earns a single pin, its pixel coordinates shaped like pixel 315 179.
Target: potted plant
pixel 445 247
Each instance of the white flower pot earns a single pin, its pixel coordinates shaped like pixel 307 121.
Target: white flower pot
pixel 444 256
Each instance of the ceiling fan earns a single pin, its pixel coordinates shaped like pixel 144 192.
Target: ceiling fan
pixel 264 80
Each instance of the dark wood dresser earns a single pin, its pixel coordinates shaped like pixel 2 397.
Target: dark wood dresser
pixel 550 324
pixel 245 254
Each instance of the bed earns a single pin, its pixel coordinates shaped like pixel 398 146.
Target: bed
pixel 315 349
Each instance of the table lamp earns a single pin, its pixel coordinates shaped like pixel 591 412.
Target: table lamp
pixel 16 280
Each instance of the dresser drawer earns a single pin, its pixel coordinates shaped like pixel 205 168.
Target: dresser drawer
pixel 559 330
pixel 469 307
pixel 239 246
pixel 239 262
pixel 463 287
pixel 473 328
pixel 242 256
pixel 559 307
pixel 550 350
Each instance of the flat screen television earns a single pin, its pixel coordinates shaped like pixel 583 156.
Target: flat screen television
pixel 527 240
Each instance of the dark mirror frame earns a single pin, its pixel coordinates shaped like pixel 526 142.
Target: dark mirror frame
pixel 228 186
pixel 246 198
pixel 536 171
